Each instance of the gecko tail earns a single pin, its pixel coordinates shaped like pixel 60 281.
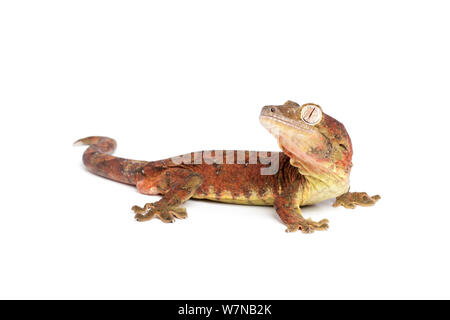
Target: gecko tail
pixel 95 140
pixel 99 160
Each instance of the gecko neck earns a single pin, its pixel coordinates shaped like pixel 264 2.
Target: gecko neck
pixel 322 184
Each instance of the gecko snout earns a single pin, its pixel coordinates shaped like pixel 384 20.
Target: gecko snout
pixel 268 110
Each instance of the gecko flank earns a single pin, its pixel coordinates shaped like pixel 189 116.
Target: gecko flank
pixel 314 165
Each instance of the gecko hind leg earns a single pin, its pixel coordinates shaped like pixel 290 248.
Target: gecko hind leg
pixel 350 200
pixel 177 186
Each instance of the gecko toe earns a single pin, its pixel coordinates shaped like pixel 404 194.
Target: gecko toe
pixel 140 217
pixel 376 197
pixel 179 213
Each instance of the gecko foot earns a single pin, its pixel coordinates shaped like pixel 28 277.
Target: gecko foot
pixel 350 200
pixel 308 226
pixel 165 214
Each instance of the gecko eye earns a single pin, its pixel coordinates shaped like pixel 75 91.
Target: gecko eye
pixel 311 113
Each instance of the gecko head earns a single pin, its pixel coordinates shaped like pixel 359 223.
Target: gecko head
pixel 315 142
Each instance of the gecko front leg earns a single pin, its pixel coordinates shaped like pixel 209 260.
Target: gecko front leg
pixel 294 221
pixel 177 186
pixel 287 206
pixel 350 200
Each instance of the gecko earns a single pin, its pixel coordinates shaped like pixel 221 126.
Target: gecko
pixel 314 165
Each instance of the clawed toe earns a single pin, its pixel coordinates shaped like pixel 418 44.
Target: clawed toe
pixel 321 225
pixel 180 213
pixel 166 216
pixel 138 210
pixel 142 217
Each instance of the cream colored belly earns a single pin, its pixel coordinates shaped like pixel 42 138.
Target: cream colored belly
pixel 253 198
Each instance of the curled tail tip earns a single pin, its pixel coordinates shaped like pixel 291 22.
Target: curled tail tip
pixel 78 143
pixel 84 142
pixel 91 140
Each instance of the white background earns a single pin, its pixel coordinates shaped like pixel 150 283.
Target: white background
pixel 168 77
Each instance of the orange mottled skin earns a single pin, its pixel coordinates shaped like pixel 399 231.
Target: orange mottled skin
pixel 314 165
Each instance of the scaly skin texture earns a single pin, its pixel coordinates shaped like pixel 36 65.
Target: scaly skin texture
pixel 314 166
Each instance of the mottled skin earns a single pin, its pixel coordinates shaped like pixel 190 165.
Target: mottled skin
pixel 314 166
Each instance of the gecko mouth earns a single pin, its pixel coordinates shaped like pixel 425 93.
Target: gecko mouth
pixel 273 123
